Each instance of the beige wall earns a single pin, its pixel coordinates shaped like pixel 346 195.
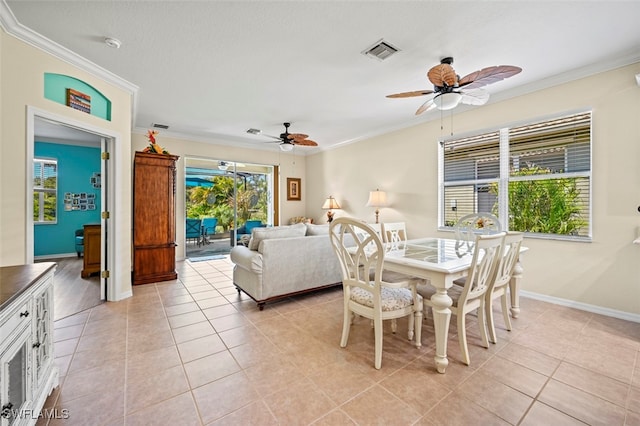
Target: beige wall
pixel 290 166
pixel 604 273
pixel 22 69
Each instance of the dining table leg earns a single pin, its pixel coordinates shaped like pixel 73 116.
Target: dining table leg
pixel 514 287
pixel 441 318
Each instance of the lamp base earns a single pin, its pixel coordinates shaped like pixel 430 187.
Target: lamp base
pixel 329 216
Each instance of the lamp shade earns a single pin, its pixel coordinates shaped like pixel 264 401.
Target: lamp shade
pixel 330 203
pixel 377 198
pixel 446 101
pixel 286 146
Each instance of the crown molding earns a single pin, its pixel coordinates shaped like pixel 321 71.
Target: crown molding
pixel 227 140
pixel 11 26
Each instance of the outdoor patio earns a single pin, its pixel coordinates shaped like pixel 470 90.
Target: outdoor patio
pixel 217 245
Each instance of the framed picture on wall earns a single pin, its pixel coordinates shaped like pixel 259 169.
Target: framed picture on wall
pixel 294 189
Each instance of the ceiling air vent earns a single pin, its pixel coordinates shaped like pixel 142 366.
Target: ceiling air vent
pixel 160 126
pixel 381 50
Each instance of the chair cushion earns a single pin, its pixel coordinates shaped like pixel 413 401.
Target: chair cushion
pixel 288 231
pixel 426 291
pixel 392 298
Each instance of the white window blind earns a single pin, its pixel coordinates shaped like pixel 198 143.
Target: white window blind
pixel 536 178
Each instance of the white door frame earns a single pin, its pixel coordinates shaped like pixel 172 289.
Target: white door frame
pixel 113 141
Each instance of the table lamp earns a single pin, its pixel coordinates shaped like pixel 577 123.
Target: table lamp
pixel 330 203
pixel 377 199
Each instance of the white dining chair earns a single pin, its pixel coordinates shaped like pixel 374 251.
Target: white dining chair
pixel 476 224
pixel 394 232
pixel 371 298
pixel 500 283
pixel 471 296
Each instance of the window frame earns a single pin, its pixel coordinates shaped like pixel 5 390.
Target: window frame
pixel 505 159
pixel 39 191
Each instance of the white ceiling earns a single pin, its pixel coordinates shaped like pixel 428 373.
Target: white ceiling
pixel 213 69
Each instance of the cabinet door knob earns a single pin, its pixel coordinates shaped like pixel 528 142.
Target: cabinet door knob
pixel 24 314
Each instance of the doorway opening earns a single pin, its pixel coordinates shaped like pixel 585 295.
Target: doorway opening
pixel 78 201
pixel 224 200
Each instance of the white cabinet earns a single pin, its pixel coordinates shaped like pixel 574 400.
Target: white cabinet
pixel 27 371
pixel 16 380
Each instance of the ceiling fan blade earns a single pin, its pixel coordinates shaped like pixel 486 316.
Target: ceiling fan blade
pixel 278 138
pixel 442 75
pixel 411 94
pixel 488 75
pixel 474 97
pixel 305 142
pixel 296 136
pixel 427 106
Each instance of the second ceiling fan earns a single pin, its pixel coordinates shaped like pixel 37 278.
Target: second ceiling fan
pixel 449 89
pixel 287 140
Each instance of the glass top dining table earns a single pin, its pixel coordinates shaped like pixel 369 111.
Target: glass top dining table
pixel 441 261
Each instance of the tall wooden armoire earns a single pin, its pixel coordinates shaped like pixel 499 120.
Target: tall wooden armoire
pixel 154 218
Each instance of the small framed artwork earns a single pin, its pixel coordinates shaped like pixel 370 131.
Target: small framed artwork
pixel 294 189
pixel 78 100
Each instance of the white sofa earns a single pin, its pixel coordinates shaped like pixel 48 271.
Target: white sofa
pixel 285 260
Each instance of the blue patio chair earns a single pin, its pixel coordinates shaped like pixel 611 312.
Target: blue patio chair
pixel 248 227
pixel 194 230
pixel 209 227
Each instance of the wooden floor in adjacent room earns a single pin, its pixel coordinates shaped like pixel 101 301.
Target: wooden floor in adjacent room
pixel 72 293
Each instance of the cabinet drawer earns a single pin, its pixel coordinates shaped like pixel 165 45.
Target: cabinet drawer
pixel 16 320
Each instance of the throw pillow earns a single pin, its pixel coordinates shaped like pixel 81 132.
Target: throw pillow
pixel 317 229
pixel 300 219
pixel 290 231
pixel 244 240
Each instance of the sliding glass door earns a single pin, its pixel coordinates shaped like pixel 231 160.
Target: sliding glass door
pixel 229 198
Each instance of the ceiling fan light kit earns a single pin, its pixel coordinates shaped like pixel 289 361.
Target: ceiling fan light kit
pixel 286 146
pixel 447 101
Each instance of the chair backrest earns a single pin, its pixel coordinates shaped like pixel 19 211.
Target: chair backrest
pixel 209 224
pixel 486 254
pixel 506 263
pixel 360 251
pixel 193 227
pixel 480 223
pixel 394 232
pixel 377 227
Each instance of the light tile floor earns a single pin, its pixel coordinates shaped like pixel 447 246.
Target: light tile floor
pixel 193 351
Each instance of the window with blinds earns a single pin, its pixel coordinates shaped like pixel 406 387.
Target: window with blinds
pixel 45 191
pixel 536 178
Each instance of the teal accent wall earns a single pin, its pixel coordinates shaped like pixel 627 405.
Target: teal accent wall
pixel 76 165
pixel 55 89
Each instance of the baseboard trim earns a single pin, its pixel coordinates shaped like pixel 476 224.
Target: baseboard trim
pixel 627 316
pixel 124 295
pixel 55 256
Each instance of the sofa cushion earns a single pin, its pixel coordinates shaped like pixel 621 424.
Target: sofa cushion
pixel 317 229
pixel 288 231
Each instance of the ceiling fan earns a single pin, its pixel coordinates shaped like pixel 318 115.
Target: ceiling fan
pixel 287 140
pixel 449 90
